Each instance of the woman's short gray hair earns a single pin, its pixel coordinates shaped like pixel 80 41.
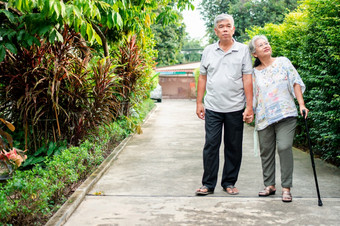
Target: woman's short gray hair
pixel 253 40
pixel 223 16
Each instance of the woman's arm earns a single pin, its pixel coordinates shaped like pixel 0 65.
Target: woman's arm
pixel 299 97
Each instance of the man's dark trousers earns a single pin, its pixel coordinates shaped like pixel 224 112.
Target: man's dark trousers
pixel 232 123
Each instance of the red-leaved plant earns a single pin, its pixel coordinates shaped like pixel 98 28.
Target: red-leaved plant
pixel 130 66
pixel 51 91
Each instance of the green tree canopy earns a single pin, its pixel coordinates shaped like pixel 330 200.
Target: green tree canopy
pixel 246 13
pixel 192 50
pixel 23 23
pixel 210 9
pixel 169 41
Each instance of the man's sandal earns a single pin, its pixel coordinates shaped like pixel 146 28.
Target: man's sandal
pixel 230 189
pixel 267 191
pixel 286 196
pixel 204 190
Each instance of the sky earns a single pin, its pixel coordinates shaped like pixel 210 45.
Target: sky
pixel 194 24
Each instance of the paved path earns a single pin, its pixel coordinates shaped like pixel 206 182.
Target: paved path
pixel 152 182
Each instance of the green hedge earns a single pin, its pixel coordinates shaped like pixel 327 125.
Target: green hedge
pixel 309 37
pixel 32 196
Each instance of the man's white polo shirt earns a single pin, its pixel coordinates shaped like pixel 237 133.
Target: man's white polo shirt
pixel 224 71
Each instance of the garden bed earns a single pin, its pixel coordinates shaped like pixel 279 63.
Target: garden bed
pixel 32 197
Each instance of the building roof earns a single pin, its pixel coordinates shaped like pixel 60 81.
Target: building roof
pixel 190 67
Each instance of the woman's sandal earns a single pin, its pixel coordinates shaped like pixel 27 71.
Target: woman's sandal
pixel 267 191
pixel 231 191
pixel 286 196
pixel 204 190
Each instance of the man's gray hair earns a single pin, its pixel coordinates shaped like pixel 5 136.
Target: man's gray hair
pixel 253 40
pixel 223 16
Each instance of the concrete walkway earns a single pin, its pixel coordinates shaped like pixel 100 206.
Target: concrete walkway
pixel 152 182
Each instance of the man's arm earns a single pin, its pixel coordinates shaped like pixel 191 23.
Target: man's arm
pixel 201 84
pixel 248 114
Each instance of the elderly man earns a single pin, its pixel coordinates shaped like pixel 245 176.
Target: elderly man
pixel 225 75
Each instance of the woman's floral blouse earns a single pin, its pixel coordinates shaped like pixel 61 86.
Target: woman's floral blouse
pixel 274 92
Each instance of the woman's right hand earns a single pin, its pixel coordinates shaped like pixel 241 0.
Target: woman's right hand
pixel 303 108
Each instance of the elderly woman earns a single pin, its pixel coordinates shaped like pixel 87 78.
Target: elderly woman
pixel 276 83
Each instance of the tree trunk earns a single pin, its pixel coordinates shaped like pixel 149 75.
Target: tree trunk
pixel 103 38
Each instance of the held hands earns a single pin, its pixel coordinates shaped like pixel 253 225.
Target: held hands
pixel 248 115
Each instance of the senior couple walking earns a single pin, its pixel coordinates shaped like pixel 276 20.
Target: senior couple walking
pixel 230 91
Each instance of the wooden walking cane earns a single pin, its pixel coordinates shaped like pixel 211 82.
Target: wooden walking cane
pixel 312 159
